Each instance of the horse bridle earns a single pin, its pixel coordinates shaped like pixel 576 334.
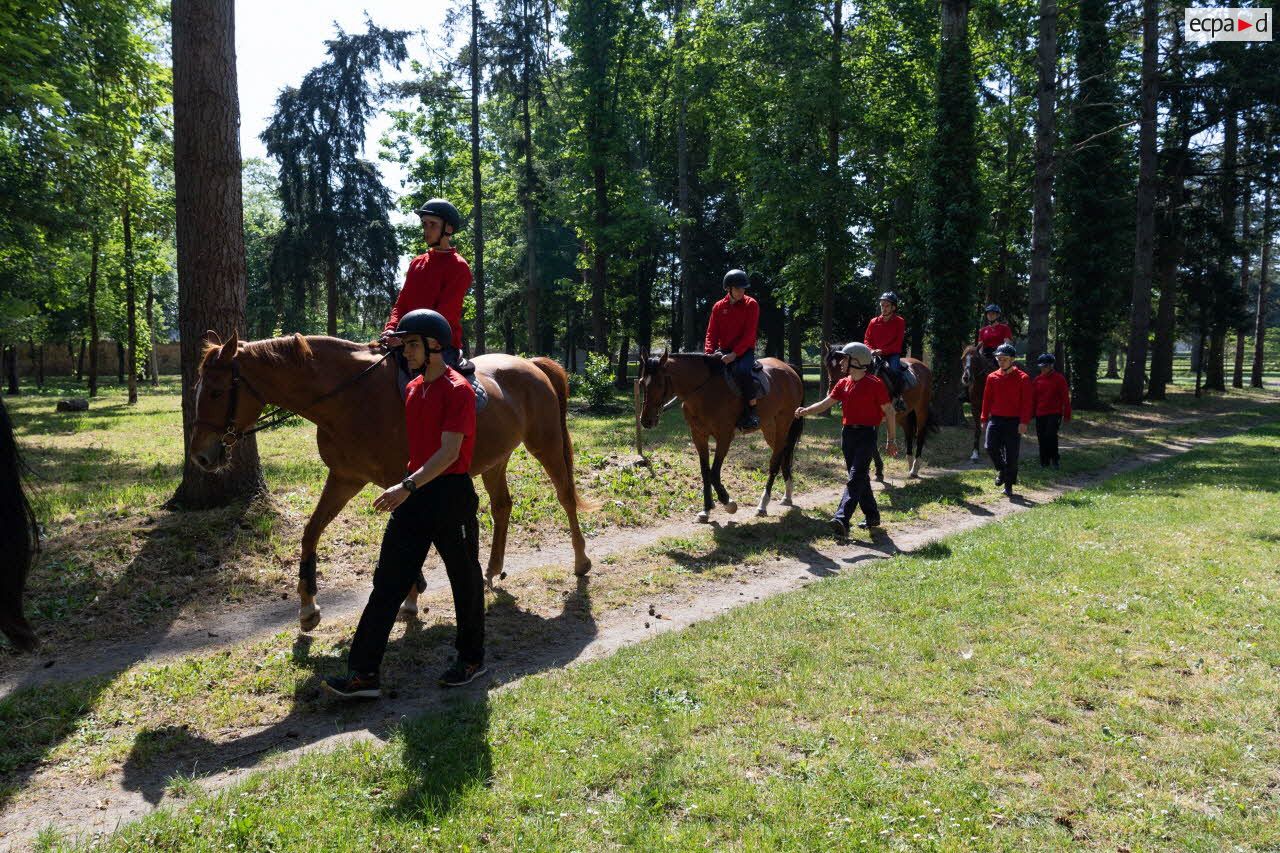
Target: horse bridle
pixel 231 435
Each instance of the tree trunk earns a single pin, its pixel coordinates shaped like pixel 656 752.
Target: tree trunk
pixel 212 289
pixel 330 296
pixel 1113 365
pixel 1260 315
pixel 687 339
pixel 1131 389
pixel 1042 189
pixel 795 339
pixel 477 197
pixel 833 180
pixel 80 361
pixel 530 223
pixel 120 362
pixel 153 360
pixel 1215 370
pixel 10 357
pixel 40 367
pixel 130 296
pixel 600 260
pixel 94 251
pixel 1246 251
pixel 620 375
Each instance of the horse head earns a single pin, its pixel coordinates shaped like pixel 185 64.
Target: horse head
pixel 222 412
pixel 655 387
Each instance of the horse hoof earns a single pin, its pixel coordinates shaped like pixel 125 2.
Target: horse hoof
pixel 785 502
pixel 308 620
pixel 913 476
pixel 582 568
pixel 731 507
pixel 703 517
pixel 761 512
pixel 408 611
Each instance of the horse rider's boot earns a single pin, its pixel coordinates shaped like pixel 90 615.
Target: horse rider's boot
pixel 749 420
pixel 466 366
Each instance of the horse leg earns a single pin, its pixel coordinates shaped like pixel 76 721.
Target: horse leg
pixel 778 444
pixel 722 450
pixel 704 467
pixel 977 430
pixel 910 430
pixel 337 492
pixel 553 461
pixel 495 483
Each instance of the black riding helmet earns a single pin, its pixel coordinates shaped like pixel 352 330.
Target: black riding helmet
pixel 889 296
pixel 428 323
pixel 992 308
pixel 736 278
pixel 1046 358
pixel 443 209
pixel 1007 349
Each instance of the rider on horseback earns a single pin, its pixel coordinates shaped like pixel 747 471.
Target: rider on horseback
pixel 992 335
pixel 437 280
pixel 731 336
pixel 886 335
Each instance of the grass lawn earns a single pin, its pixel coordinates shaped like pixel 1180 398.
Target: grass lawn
pixel 1098 671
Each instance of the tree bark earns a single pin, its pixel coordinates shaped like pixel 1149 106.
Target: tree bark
pixel 94 252
pixel 153 361
pixel 10 355
pixel 1131 389
pixel 1042 190
pixel 1260 314
pixel 130 296
pixel 530 220
pixel 1113 365
pixel 212 289
pixel 833 180
pixel 1215 369
pixel 80 361
pixel 477 197
pixel 120 371
pixel 687 339
pixel 1237 371
pixel 600 261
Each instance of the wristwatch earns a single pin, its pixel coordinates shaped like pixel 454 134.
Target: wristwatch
pixel 409 485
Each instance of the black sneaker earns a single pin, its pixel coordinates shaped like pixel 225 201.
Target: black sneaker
pixel 461 673
pixel 840 528
pixel 1008 490
pixel 353 685
pixel 869 525
pixel 1000 479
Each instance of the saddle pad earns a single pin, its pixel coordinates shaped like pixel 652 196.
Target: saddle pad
pixel 758 375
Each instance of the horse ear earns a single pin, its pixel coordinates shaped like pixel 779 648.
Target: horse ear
pixel 663 360
pixel 229 348
pixel 212 337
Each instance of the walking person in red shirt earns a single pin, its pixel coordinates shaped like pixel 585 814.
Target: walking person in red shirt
pixel 437 280
pixel 1006 411
pixel 864 403
pixel 731 336
pixel 886 336
pixel 1051 402
pixel 435 504
pixel 995 333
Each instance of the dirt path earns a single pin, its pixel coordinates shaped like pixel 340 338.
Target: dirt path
pixel 579 633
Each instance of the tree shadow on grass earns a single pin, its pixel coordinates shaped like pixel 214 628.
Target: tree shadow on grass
pixel 445 732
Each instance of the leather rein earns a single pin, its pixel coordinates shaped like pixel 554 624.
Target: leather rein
pixel 272 416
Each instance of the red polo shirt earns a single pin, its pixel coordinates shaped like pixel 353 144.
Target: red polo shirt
pixel 438 280
pixel 1050 395
pixel 886 334
pixel 994 335
pixel 733 327
pixel 433 408
pixel 861 402
pixel 1007 395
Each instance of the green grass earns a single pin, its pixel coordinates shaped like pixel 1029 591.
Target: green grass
pixel 1097 672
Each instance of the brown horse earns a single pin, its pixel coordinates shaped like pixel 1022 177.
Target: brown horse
pixel 711 407
pixel 349 392
pixel 916 422
pixel 974 378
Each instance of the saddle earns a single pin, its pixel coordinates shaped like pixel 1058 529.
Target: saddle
pixel 904 381
pixel 758 375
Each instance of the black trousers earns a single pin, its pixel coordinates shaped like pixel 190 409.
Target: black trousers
pixel 858 444
pixel 1047 434
pixel 1003 443
pixel 441 513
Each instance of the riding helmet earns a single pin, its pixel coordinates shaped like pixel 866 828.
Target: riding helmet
pixel 736 278
pixel 428 323
pixel 1007 349
pixel 1046 358
pixel 859 354
pixel 443 209
pixel 889 296
pixel 992 307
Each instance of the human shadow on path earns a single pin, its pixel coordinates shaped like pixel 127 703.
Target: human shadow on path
pixel 519 643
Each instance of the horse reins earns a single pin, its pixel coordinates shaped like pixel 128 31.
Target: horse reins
pixel 275 415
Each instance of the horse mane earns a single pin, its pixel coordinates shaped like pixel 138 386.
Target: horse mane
pixel 969 350
pixel 294 349
pixel 711 361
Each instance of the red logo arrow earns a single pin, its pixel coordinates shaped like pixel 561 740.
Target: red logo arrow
pixel 1244 25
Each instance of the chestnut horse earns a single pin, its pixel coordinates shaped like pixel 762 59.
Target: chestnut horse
pixel 976 366
pixel 349 391
pixel 711 408
pixel 916 422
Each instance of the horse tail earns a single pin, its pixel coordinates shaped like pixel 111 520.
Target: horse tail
pixel 19 539
pixel 560 382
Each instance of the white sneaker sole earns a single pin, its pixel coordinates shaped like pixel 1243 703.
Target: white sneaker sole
pixel 479 672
